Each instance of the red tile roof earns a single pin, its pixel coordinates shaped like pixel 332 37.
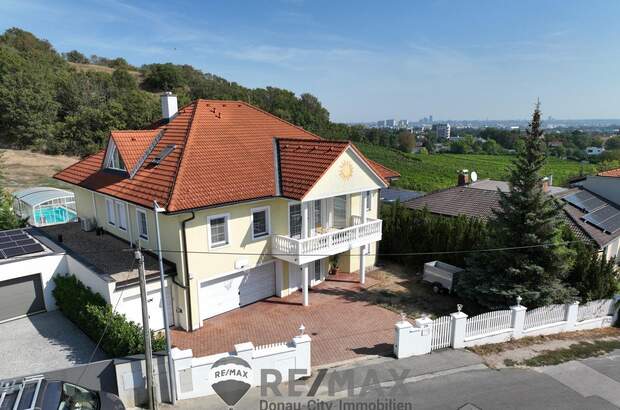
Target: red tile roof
pixel 610 173
pixel 223 154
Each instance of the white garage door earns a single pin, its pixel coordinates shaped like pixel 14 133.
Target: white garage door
pixel 131 307
pixel 230 292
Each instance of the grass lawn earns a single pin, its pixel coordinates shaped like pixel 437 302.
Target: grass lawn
pixel 23 169
pixel 431 172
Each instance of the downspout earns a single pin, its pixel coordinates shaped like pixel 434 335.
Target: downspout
pixel 186 263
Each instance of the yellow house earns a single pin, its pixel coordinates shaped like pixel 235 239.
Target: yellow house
pixel 248 205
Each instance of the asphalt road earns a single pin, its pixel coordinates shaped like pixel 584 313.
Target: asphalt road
pixel 448 380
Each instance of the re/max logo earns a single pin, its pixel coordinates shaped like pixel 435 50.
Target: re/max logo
pixel 335 382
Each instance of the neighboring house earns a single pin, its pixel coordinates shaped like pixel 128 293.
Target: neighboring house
pixel 595 151
pixel 479 199
pixel 250 206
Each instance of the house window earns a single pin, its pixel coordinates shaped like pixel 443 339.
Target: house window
pixel 218 230
pixel 317 214
pixel 260 222
pixel 340 212
pixel 114 159
pixel 294 220
pixel 109 206
pixel 121 209
pixel 368 195
pixel 143 228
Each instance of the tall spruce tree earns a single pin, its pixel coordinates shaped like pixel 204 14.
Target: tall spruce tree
pixel 528 220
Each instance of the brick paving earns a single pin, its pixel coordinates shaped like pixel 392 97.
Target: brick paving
pixel 342 326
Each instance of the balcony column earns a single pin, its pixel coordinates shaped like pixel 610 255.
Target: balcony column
pixel 304 220
pixel 363 247
pixel 304 273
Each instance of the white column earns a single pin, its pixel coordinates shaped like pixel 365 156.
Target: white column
pixel 304 273
pixel 518 320
pixel 302 354
pixel 572 310
pixel 363 247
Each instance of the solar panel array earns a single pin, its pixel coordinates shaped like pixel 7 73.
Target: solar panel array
pixel 17 242
pixel 585 201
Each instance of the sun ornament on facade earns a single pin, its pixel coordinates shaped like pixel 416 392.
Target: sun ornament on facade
pixel 346 170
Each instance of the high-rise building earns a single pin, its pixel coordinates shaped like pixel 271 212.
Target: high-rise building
pixel 381 124
pixel 430 119
pixel 390 123
pixel 442 130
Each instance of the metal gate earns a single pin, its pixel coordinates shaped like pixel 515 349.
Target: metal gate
pixel 442 333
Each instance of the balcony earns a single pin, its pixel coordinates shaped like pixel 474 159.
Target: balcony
pixel 301 251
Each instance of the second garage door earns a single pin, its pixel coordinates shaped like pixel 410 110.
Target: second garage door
pixel 20 297
pixel 230 292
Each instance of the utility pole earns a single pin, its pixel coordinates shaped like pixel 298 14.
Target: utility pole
pixel 148 350
pixel 171 372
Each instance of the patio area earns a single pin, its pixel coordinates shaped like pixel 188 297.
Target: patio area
pixel 341 323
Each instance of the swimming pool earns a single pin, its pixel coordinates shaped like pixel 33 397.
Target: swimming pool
pixel 55 215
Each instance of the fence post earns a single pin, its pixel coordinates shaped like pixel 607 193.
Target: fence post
pixel 245 351
pixel 518 320
pixel 302 347
pixel 459 323
pixel 572 310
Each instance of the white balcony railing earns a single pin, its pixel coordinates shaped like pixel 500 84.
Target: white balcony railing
pixel 300 251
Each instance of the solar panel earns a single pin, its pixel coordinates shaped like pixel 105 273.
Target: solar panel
pixel 612 224
pixel 16 242
pixel 600 215
pixel 585 201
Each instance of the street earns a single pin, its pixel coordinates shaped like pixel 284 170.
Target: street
pixel 449 379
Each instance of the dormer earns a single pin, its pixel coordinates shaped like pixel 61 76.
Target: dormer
pixel 113 159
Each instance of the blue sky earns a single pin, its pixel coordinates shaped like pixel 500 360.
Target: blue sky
pixel 366 60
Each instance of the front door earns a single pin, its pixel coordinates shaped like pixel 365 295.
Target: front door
pixel 315 271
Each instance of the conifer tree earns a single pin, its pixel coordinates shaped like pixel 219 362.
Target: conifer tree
pixel 528 220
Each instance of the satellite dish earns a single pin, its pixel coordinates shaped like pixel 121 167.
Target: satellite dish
pixel 473 176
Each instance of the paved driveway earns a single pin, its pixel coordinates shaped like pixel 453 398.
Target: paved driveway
pixel 43 342
pixel 341 325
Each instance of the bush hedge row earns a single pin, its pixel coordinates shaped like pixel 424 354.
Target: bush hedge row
pixel 91 313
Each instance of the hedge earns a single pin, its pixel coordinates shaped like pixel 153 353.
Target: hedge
pixel 91 313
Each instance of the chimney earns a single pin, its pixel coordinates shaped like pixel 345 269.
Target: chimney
pixel 546 184
pixel 463 178
pixel 169 105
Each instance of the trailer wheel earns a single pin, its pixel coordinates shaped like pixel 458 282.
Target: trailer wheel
pixel 437 288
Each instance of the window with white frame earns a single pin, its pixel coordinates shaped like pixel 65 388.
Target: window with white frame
pixel 340 211
pixel 114 160
pixel 143 228
pixel 121 210
pixel 260 222
pixel 368 195
pixel 109 206
pixel 294 220
pixel 218 230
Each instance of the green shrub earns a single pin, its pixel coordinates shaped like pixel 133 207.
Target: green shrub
pixel 91 313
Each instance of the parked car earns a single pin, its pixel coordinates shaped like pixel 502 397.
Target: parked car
pixel 38 393
pixel 441 276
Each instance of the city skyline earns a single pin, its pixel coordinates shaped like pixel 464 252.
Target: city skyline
pixel 365 62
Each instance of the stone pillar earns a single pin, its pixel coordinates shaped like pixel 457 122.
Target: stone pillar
pixel 304 274
pixel 412 340
pixel 459 320
pixel 303 354
pixel 518 320
pixel 572 310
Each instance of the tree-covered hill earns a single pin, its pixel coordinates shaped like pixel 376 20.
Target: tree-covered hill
pixel 67 103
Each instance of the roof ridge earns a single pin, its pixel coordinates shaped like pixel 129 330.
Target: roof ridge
pixel 171 196
pixel 321 141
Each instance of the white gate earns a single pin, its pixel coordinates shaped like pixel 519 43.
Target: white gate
pixel 442 332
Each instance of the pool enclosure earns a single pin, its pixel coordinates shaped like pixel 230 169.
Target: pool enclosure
pixel 45 205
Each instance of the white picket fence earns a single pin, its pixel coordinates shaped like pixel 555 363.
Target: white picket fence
pixel 442 332
pixel 545 315
pixel 594 309
pixel 488 323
